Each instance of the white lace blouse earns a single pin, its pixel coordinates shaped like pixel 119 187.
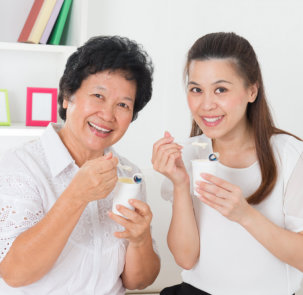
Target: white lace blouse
pixel 32 177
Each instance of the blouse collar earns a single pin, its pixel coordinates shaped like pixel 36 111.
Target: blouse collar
pixel 56 153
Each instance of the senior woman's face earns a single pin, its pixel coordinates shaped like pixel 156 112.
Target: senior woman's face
pixel 100 111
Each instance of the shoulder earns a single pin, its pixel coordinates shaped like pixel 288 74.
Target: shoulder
pixel 14 159
pixel 287 146
pixel 17 182
pixel 288 151
pixel 16 166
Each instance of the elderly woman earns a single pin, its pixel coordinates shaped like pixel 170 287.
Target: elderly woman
pixel 57 232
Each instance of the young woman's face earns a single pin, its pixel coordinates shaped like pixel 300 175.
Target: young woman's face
pixel 218 98
pixel 100 111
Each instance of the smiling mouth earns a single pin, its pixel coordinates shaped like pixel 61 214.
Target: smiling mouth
pixel 99 129
pixel 212 119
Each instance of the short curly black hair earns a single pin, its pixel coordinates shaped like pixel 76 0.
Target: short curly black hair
pixel 108 53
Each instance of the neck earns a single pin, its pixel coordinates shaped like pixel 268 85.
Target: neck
pixel 78 152
pixel 233 142
pixel 236 150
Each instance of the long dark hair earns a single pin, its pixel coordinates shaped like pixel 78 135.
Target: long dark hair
pixel 240 52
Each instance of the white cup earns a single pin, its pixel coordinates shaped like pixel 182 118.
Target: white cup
pixel 124 190
pixel 202 166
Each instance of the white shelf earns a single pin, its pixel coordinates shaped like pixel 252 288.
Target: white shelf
pixel 18 129
pixel 33 65
pixel 36 47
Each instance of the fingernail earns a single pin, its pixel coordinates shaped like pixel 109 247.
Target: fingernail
pixel 167 134
pixel 108 155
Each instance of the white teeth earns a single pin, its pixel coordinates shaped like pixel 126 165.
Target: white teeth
pixel 99 128
pixel 211 120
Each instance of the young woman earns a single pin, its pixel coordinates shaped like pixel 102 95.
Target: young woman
pixel 243 234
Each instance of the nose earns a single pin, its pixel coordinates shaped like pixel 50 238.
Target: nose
pixel 107 113
pixel 208 102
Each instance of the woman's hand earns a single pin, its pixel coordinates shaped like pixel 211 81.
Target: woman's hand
pixel 167 159
pixel 136 222
pixel 142 264
pixel 223 197
pixel 95 179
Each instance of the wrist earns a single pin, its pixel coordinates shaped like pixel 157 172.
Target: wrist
pixel 182 187
pixel 177 178
pixel 144 242
pixel 248 218
pixel 71 200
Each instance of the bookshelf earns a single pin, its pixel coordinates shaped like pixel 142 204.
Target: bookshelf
pixel 33 65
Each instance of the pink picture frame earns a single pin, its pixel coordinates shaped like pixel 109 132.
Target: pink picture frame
pixel 41 106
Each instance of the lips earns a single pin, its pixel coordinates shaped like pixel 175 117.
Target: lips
pixel 99 130
pixel 212 121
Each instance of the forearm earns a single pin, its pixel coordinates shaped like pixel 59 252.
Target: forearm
pixel 142 265
pixel 285 245
pixel 183 235
pixel 34 252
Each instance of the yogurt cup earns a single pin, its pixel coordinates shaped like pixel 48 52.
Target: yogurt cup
pixel 124 190
pixel 202 166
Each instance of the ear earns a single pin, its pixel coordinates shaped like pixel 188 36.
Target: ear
pixel 253 92
pixel 65 104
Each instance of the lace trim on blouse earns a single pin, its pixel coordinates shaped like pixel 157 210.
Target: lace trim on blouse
pixel 25 211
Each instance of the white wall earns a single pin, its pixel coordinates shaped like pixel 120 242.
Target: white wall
pixel 166 29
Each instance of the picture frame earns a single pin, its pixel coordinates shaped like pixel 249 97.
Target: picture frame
pixel 41 106
pixel 5 119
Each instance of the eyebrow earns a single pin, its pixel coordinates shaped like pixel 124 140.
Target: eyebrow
pixel 217 82
pixel 222 81
pixel 192 83
pixel 126 97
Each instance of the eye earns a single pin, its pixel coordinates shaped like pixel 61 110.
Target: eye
pixel 195 90
pixel 123 105
pixel 220 90
pixel 98 95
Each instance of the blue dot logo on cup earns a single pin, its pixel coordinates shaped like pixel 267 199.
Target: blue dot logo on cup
pixel 137 177
pixel 213 157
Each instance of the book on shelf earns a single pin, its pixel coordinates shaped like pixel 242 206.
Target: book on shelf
pixel 56 34
pixel 41 21
pixel 30 21
pixel 51 22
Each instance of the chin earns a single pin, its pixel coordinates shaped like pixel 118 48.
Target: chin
pixel 97 147
pixel 212 133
